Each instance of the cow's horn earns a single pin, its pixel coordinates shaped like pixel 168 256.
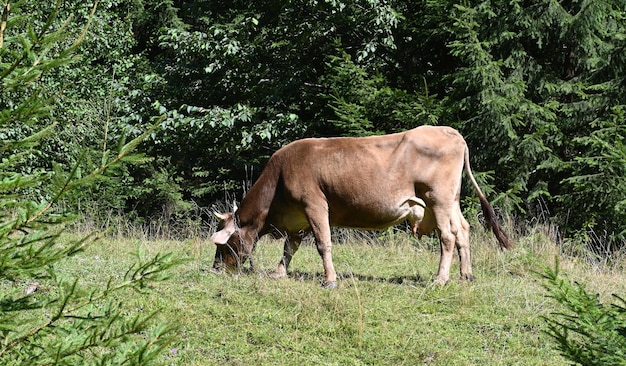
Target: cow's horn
pixel 417 201
pixel 220 216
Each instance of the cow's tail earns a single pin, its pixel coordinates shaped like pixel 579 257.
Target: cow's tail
pixel 490 215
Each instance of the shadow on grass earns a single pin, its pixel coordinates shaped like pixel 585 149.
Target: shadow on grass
pixel 415 280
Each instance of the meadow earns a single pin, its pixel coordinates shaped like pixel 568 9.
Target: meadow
pixel 385 311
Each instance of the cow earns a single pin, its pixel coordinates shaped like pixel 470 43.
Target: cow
pixel 373 182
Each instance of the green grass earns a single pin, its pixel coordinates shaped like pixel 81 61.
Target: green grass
pixel 384 311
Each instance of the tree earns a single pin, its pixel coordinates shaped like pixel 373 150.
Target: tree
pixel 245 78
pixel 66 324
pixel 586 331
pixel 536 86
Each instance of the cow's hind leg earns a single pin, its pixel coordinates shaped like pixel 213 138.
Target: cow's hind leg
pixel 447 240
pixel 463 247
pixel 292 243
pixel 453 231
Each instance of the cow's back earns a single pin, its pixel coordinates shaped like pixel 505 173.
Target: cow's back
pixel 364 180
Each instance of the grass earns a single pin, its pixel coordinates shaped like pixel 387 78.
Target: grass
pixel 385 310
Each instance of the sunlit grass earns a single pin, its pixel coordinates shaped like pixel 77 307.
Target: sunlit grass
pixel 384 311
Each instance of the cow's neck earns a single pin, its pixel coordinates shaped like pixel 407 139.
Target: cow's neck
pixel 250 220
pixel 255 206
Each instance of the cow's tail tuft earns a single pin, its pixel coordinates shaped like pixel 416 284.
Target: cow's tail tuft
pixel 490 215
pixel 492 223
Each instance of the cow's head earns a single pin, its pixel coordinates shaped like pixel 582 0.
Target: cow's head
pixel 231 251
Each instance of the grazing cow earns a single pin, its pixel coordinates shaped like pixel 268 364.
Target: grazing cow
pixel 365 182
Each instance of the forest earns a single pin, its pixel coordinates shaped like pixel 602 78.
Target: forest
pixel 538 89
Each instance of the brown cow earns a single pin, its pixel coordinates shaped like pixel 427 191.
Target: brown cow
pixel 367 183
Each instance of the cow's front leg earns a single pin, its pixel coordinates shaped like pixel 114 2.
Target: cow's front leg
pixel 292 243
pixel 330 276
pixel 318 218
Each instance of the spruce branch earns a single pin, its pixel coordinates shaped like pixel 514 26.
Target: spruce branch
pixel 69 305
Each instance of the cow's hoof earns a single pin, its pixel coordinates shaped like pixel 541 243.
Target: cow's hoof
pixel 329 285
pixel 440 281
pixel 468 277
pixel 276 275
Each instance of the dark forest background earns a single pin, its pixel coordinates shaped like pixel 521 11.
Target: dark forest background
pixel 537 87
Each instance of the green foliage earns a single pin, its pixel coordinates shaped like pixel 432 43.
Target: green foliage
pixel 45 316
pixel 597 177
pixel 533 86
pixel 532 80
pixel 521 81
pixel 246 78
pixel 586 331
pixel 364 104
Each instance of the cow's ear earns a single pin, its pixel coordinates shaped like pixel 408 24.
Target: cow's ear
pixel 222 236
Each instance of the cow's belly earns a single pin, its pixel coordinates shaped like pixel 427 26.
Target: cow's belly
pixel 358 209
pixel 366 221
pixel 374 214
pixel 290 220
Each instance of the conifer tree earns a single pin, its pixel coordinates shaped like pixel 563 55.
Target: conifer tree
pixel 539 94
pixel 46 317
pixel 586 330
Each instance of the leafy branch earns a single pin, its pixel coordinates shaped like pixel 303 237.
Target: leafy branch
pixel 64 183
